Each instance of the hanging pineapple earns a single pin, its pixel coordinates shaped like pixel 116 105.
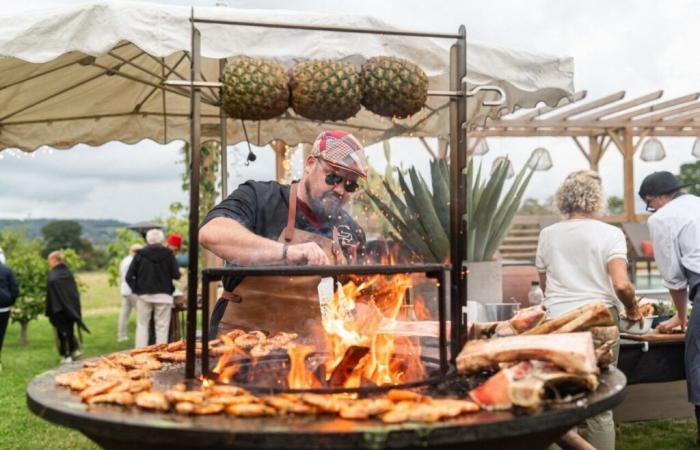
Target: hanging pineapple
pixel 254 89
pixel 325 89
pixel 393 87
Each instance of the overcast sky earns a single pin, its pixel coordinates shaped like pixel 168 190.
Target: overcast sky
pixel 637 46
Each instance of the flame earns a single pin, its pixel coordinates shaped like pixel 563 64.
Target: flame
pixel 299 376
pixel 355 315
pixel 224 371
pixel 382 298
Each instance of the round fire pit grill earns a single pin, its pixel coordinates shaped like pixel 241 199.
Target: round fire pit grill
pixel 115 427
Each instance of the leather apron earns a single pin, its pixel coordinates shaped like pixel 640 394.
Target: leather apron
pixel 281 303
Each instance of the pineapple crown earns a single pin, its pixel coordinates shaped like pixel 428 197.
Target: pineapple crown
pixel 341 150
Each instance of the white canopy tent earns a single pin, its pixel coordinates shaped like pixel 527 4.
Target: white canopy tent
pixel 94 72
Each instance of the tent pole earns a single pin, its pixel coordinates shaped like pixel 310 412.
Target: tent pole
pixel 458 193
pixel 224 141
pixel 193 247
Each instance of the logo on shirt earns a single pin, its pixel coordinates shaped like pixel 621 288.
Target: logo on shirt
pixel 345 235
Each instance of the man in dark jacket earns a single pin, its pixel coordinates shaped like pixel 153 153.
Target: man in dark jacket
pixel 151 276
pixel 63 306
pixel 9 291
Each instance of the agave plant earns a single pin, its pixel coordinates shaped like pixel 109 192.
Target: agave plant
pixel 420 214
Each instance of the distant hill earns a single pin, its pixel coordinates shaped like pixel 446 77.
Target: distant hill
pixel 98 231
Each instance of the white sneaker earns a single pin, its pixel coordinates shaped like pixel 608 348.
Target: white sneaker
pixel 75 355
pixel 66 360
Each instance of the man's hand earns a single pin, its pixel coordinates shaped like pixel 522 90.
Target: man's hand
pixel 307 253
pixel 634 315
pixel 668 325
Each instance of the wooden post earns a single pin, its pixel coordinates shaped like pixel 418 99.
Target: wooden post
pixel 628 166
pixel 279 146
pixel 593 152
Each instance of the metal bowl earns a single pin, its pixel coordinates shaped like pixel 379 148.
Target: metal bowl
pixel 634 327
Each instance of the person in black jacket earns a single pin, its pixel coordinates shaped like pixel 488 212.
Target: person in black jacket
pixel 63 306
pixel 151 276
pixel 9 291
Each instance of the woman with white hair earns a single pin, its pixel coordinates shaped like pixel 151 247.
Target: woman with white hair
pixel 150 276
pixel 582 260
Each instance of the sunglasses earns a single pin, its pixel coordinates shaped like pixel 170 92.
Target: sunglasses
pixel 333 179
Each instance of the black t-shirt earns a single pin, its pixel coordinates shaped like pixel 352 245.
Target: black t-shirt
pixel 262 207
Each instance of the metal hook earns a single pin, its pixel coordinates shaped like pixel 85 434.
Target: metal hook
pixel 497 102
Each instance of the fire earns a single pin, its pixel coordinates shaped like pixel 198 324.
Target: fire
pixel 226 372
pixel 357 319
pixel 374 301
pixel 299 376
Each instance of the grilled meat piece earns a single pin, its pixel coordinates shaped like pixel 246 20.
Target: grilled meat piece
pixel 176 396
pixel 152 400
pixel 365 408
pixel 173 357
pixel 99 388
pixel 398 395
pixel 148 349
pixel 287 405
pixel 261 349
pixel 250 410
pixel 573 352
pixel 233 400
pixel 147 362
pixel 594 314
pixel 526 384
pixel 280 339
pixel 66 378
pixel 326 403
pixel 494 393
pixel 137 386
pixel 250 340
pixel 117 398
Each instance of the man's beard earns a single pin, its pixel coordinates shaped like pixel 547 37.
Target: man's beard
pixel 326 207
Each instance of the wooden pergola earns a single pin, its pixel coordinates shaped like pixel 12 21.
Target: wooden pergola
pixel 604 121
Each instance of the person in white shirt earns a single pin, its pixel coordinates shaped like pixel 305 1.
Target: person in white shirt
pixel 582 260
pixel 675 234
pixel 128 297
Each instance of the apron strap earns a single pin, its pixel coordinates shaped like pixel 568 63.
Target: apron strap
pixel 288 232
pixel 335 246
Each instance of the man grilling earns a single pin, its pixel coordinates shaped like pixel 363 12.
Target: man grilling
pixel 675 233
pixel 266 223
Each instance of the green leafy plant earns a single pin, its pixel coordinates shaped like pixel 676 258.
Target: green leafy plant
pixel 420 213
pixel 489 212
pixel 25 258
pixel 118 249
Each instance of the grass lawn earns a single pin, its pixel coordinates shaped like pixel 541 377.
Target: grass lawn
pixel 656 435
pixel 22 430
pixel 99 296
pixel 19 428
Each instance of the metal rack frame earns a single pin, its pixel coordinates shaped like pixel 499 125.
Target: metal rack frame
pixel 458 162
pixel 434 271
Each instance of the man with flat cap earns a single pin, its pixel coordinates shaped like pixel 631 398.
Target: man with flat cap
pixel 675 233
pixel 267 223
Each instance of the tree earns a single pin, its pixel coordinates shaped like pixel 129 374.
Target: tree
pixel 118 249
pixel 63 234
pixel 690 175
pixel 25 258
pixel 616 205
